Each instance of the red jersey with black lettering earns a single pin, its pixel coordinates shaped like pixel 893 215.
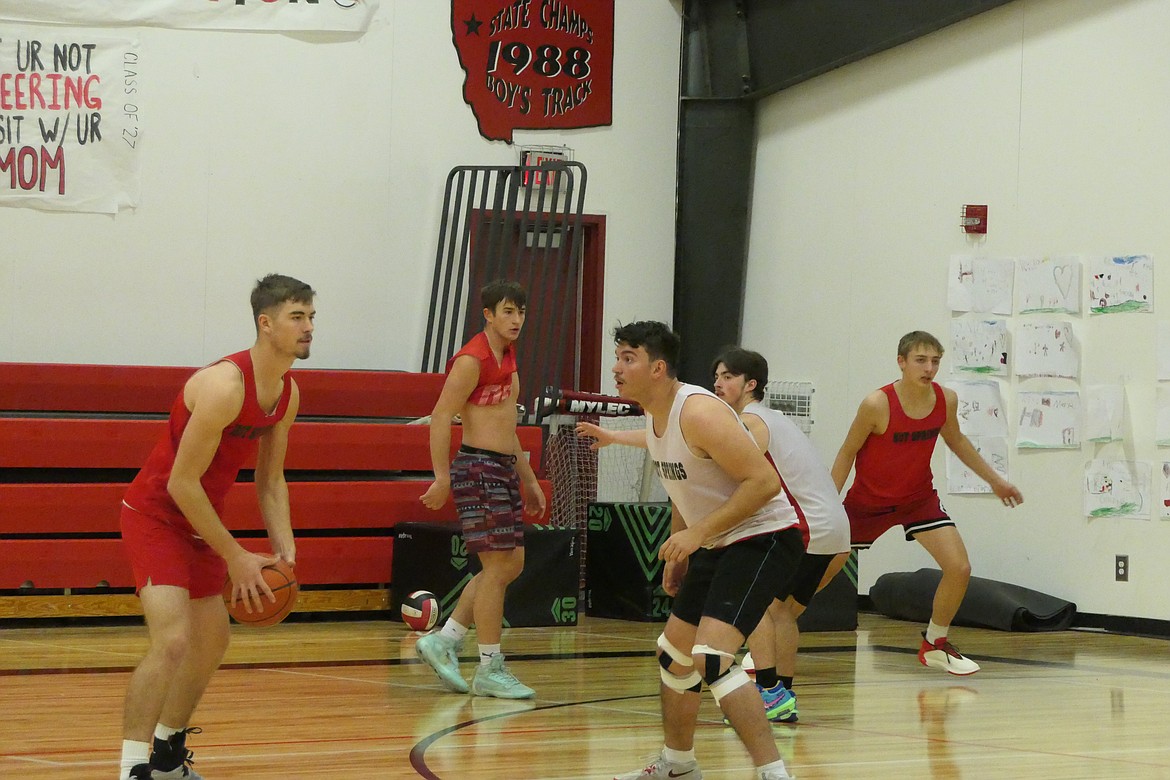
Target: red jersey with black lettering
pixel 495 379
pixel 894 467
pixel 240 440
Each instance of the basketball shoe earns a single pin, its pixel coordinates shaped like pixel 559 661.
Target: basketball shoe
pixel 140 772
pixel 497 680
pixel 171 760
pixel 943 655
pixel 441 653
pixel 662 769
pixel 779 704
pixel 778 774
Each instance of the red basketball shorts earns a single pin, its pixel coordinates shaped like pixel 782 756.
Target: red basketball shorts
pixel 161 554
pixel 867 523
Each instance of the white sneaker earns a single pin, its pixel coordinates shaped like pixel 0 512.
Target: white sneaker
pixel 778 774
pixel 662 769
pixel 497 680
pixel 943 655
pixel 442 655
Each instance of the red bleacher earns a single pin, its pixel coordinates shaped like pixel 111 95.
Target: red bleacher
pixel 59 534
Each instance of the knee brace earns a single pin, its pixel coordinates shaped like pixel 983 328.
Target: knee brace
pixel 721 681
pixel 679 683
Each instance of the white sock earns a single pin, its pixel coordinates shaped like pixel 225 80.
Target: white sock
pixel 678 756
pixel 133 754
pixel 935 632
pixel 164 732
pixel 777 764
pixel 452 630
pixel 486 652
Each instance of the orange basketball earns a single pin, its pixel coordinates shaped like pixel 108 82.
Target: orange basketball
pixel 283 582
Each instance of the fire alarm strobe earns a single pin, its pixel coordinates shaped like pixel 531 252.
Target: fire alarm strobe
pixel 974 219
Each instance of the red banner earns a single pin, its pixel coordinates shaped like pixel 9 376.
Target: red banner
pixel 535 64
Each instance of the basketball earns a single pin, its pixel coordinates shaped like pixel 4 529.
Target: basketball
pixel 420 610
pixel 283 582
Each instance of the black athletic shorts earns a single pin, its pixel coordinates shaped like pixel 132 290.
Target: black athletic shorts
pixel 735 584
pixel 802 586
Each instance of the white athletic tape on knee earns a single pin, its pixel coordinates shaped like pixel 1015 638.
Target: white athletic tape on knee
pixel 708 650
pixel 712 666
pixel 691 681
pixel 678 656
pixel 734 678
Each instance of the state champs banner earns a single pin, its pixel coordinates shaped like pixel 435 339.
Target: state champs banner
pixel 258 15
pixel 70 121
pixel 535 64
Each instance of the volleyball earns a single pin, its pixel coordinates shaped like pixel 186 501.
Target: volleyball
pixel 420 610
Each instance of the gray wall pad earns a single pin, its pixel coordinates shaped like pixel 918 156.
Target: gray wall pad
pixel 988 604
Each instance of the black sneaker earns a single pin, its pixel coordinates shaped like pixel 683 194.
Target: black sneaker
pixel 140 772
pixel 171 760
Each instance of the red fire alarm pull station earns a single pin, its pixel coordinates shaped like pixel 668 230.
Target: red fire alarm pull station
pixel 974 219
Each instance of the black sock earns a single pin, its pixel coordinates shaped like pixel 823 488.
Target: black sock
pixel 787 682
pixel 767 678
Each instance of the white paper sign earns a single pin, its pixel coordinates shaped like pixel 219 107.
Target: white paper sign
pixel 961 479
pixel 980 284
pixel 1049 285
pixel 1047 349
pixel 1117 488
pixel 980 407
pixel 979 347
pixel 1049 420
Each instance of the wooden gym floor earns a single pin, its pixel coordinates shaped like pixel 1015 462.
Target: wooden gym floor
pixel 350 700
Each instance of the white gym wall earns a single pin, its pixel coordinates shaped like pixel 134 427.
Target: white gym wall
pixel 323 157
pixel 1054 114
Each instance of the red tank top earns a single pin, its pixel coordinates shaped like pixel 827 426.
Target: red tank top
pixel 495 379
pixel 894 468
pixel 239 441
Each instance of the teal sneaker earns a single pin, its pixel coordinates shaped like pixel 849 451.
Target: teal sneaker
pixel 496 680
pixel 441 653
pixel 780 704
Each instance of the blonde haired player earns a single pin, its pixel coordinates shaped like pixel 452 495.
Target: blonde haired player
pixel 889 445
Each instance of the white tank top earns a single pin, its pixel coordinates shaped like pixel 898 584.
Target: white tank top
pixel 806 480
pixel 697 486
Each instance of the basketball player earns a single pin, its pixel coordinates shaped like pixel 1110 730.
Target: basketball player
pixel 892 440
pixel 181 553
pixel 740 378
pixel 486 478
pixel 733 543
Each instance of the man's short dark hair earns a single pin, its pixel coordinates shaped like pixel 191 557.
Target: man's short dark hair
pixel 494 293
pixel 274 290
pixel 743 362
pixel 659 341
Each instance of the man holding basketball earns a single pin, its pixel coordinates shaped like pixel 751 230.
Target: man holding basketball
pixel 486 478
pixel 180 550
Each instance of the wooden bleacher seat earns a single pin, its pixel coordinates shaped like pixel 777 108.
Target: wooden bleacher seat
pixel 355 464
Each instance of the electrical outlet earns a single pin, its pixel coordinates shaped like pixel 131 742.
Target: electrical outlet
pixel 1121 568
